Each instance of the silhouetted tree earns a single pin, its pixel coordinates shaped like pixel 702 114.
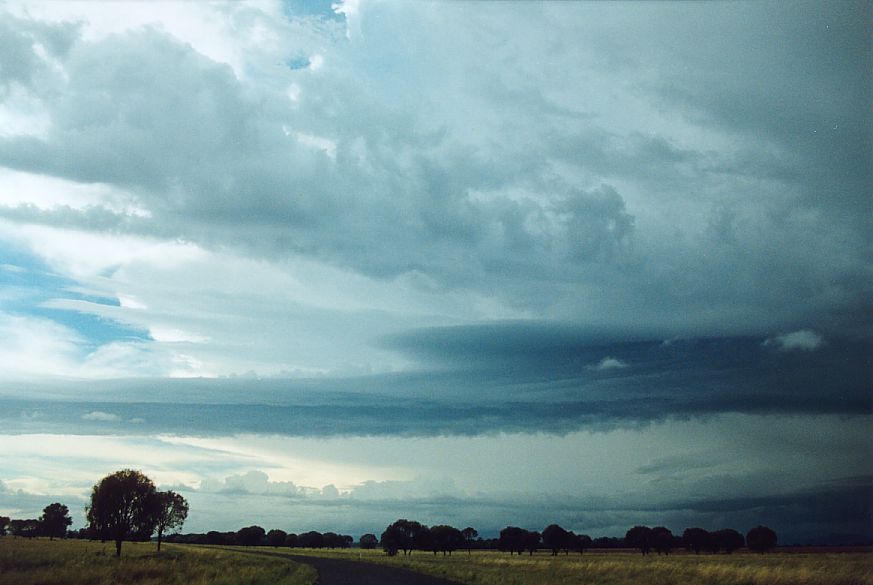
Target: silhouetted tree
pixel 311 539
pixel 728 540
pixel 122 507
pixel 512 539
pixel 761 539
pixel 291 540
pixel 446 539
pixel 251 536
pixel 4 524
pixel 532 541
pixel 215 537
pixel 696 539
pixel 54 521
pixel 583 541
pixel 170 510
pixel 368 541
pixel 28 528
pixel 470 535
pixel 640 537
pixel 556 538
pixel 404 535
pixel 662 540
pixel 391 539
pixel 276 537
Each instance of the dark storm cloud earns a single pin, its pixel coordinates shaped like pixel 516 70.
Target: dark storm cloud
pixel 522 185
pixel 482 380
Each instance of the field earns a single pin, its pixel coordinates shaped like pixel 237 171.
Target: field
pixel 70 562
pixel 626 568
pixel 76 562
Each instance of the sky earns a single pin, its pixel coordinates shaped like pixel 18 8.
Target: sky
pixel 322 265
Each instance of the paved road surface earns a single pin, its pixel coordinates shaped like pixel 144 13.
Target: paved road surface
pixel 346 572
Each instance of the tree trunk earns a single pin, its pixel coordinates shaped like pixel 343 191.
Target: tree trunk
pixel 117 547
pixel 160 533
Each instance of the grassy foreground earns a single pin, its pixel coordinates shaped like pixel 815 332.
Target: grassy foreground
pixel 76 562
pixel 624 568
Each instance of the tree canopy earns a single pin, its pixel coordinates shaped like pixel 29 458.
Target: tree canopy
pixel 170 511
pixel 55 520
pixel 123 506
pixel 761 539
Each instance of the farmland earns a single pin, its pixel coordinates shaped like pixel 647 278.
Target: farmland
pixel 74 562
pixel 625 568
pixel 69 562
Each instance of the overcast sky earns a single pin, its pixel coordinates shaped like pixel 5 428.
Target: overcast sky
pixel 323 265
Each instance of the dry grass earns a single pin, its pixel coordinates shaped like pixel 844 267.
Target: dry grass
pixel 73 562
pixel 621 568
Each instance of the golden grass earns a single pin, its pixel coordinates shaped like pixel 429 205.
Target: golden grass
pixel 75 562
pixel 624 568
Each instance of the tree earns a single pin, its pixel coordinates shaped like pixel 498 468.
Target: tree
pixel 555 538
pixel 368 541
pixel 170 510
pixel 761 539
pixel 640 537
pixel 26 528
pixel 583 541
pixel 446 539
pixel 531 541
pixel 4 524
pixel 291 541
pixel 311 539
pixel 122 506
pixel 662 540
pixel 470 535
pixel 277 537
pixel 728 540
pixel 404 535
pixel 512 539
pixel 250 536
pixel 54 520
pixel 696 539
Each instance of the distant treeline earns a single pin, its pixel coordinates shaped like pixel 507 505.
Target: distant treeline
pixel 407 536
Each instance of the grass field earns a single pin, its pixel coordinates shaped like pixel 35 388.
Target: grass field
pixel 43 562
pixel 76 562
pixel 625 568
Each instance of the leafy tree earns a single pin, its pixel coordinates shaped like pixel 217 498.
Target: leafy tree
pixel 662 540
pixel 583 541
pixel 391 540
pixel 446 539
pixel 4 524
pixel 291 541
pixel 276 537
pixel 555 538
pixel 250 536
pixel 761 539
pixel 170 510
pixel 368 541
pixel 640 537
pixel 512 539
pixel 311 539
pixel 728 540
pixel 470 535
pixel 532 541
pixel 404 535
pixel 54 520
pixel 122 506
pixel 26 528
pixel 696 539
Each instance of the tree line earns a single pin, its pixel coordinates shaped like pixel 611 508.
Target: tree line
pixel 258 536
pixel 126 505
